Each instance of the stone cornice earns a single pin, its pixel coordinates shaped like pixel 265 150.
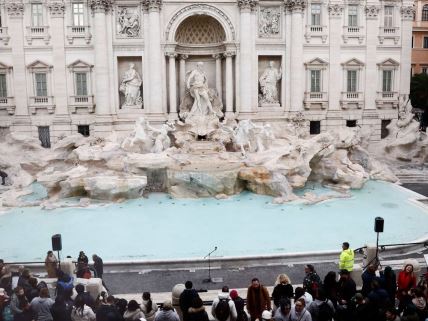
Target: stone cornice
pixel 101 5
pixel 372 11
pixel 247 4
pixel 56 8
pixel 15 9
pixel 335 9
pixel 171 54
pixel 295 5
pixel 407 12
pixel 230 53
pixel 151 5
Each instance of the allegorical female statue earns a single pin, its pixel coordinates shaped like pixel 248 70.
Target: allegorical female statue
pixel 268 84
pixel 131 87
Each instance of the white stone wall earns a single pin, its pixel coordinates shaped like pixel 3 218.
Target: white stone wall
pixel 252 31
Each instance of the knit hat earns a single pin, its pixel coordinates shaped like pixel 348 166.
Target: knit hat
pixel 266 315
pixel 233 294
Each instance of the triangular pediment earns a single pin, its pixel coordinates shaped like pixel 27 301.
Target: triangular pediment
pixel 389 63
pixel 3 66
pixel 80 64
pixel 38 64
pixel 353 62
pixel 316 62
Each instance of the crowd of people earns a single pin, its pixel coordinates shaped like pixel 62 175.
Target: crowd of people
pixel 383 297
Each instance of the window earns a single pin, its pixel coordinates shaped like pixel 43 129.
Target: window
pixel 388 21
pixel 78 14
pixel 37 14
pixel 425 44
pixel 353 16
pixel 315 14
pixel 3 88
pixel 425 70
pixel 351 123
pixel 41 88
pixel 83 129
pixel 44 136
pixel 81 87
pixel 351 85
pixel 314 127
pixel 383 130
pixel 315 81
pixel 387 81
pixel 425 13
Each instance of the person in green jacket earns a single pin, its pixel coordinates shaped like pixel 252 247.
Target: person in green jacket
pixel 346 260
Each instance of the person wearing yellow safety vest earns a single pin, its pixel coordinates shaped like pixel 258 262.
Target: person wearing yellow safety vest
pixel 346 260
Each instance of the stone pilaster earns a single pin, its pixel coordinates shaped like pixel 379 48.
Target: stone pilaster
pixel 218 86
pixel 296 8
pixel 229 83
pixel 155 105
pixel 245 57
pixel 182 78
pixel 407 14
pixel 172 86
pixel 15 11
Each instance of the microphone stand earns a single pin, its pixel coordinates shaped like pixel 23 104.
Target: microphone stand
pixel 209 280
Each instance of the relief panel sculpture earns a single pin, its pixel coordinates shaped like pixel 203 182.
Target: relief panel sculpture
pixel 269 22
pixel 128 22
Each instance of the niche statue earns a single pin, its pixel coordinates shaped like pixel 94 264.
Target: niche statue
pixel 268 84
pixel 130 86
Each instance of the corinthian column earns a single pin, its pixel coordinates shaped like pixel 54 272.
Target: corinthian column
pixel 245 57
pixel 102 77
pixel 15 11
pixel 182 78
pixel 407 14
pixel 155 105
pixel 218 87
pixel 296 8
pixel 62 118
pixel 172 86
pixel 229 84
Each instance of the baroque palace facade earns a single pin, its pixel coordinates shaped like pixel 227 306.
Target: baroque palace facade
pixel 64 64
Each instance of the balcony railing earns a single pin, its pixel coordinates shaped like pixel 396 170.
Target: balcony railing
pixel 4 36
pixel 316 32
pixel 387 98
pixel 86 102
pixel 351 100
pixel 353 32
pixel 315 98
pixel 389 30
pixel 352 95
pixel 37 32
pixel 8 103
pixel 42 102
pixel 389 33
pixel 74 32
pixel 316 28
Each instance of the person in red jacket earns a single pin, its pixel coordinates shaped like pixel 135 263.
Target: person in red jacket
pixel 405 282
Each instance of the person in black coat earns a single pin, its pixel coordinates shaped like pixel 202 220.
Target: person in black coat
pixel 87 298
pixel 197 311
pixel 108 311
pixel 283 289
pixel 239 305
pixel 186 299
pixel 61 309
pixel 98 265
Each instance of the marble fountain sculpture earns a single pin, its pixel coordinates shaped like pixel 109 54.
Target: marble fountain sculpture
pixel 269 159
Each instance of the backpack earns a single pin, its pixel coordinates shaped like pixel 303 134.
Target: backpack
pixel 222 310
pixel 325 312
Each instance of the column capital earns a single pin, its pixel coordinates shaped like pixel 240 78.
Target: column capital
pixel 171 54
pixel 184 57
pixel 103 6
pixel 151 5
pixel 295 5
pixel 247 4
pixel 335 10
pixel 217 56
pixel 407 12
pixel 56 8
pixel 229 54
pixel 372 11
pixel 15 9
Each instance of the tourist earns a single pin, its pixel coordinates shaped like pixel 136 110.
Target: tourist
pixel 167 312
pixel 282 313
pixel 51 264
pixel 98 266
pixel 3 176
pixel 64 283
pixel 258 299
pixel 368 276
pixel 330 287
pixel 282 290
pixel 388 281
pixel 197 311
pixel 223 308
pixel 378 300
pixel 61 309
pixel 16 275
pixel 311 282
pixel 41 306
pixel 419 301
pixel 345 292
pixel 321 309
pixel 410 313
pixel 6 279
pixel 33 291
pixel 239 306
pixel 121 305
pixel 81 312
pixel 4 307
pixel 406 280
pixel 107 311
pixel 299 313
pixel 391 314
pixel 82 264
pixel 133 312
pixel 87 298
pixel 300 293
pixel 360 309
pixel 186 299
pixel 346 259
pixel 148 307
pixel 20 306
pixel 23 281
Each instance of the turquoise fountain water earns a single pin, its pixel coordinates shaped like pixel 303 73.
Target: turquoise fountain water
pixel 163 228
